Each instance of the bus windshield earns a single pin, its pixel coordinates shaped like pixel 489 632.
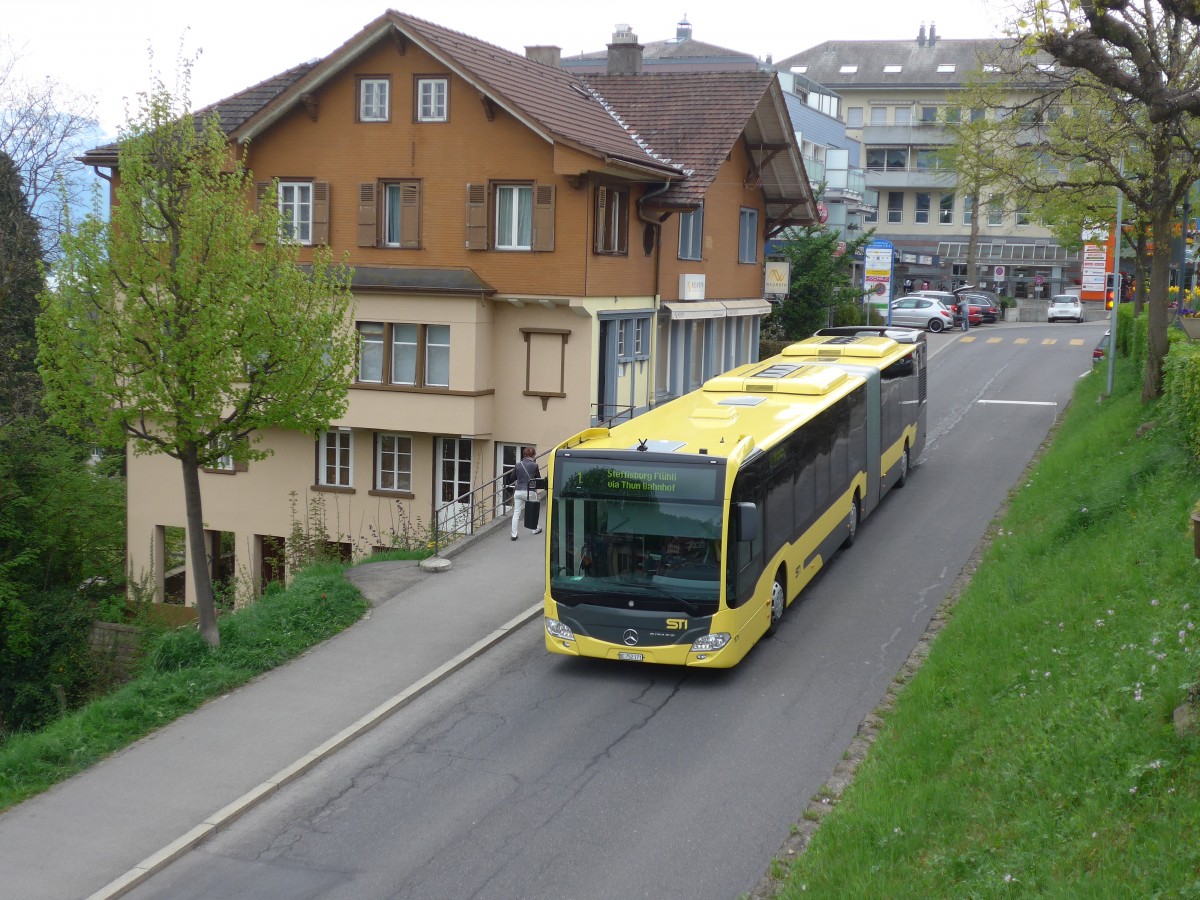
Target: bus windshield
pixel 643 535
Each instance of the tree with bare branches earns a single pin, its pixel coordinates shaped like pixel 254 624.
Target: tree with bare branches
pixel 43 126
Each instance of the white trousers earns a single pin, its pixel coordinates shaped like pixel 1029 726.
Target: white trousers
pixel 518 510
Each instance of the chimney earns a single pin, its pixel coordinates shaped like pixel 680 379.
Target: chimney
pixel 921 36
pixel 624 53
pixel 932 34
pixel 683 31
pixel 546 54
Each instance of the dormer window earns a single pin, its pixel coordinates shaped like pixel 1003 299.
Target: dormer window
pixel 373 98
pixel 945 68
pixel 848 70
pixel 892 70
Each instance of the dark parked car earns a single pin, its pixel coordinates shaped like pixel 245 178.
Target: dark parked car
pixel 989 309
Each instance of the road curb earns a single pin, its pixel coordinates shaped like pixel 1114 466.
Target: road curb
pixel 161 859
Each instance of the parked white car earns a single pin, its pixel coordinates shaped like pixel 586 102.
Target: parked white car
pixel 1064 306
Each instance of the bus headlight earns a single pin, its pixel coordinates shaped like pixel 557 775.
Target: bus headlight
pixel 710 642
pixel 557 629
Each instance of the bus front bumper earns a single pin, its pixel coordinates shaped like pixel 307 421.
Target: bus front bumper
pixel 560 639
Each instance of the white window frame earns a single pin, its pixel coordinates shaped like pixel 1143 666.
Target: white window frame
pixel 340 473
pixel 995 214
pixel 433 99
pixel 854 117
pixel 400 453
pixel 946 214
pixel 691 234
pixel 296 211
pixel 968 215
pixel 508 227
pixel 435 347
pixel 748 235
pixel 374 99
pixel 918 211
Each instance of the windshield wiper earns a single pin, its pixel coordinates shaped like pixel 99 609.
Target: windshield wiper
pixel 691 607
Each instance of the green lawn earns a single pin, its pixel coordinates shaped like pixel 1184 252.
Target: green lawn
pixel 1034 752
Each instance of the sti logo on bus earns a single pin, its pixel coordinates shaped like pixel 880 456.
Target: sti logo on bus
pixel 676 624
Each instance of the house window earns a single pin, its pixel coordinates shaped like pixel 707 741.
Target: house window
pixel 978 115
pixel 641 332
pixel 968 209
pixel 1023 216
pixel 929 115
pixel 370 351
pixel 946 210
pixel 895 207
pixel 432 99
pixel 996 212
pixel 691 234
pixel 334 458
pixel 612 220
pixel 401 214
pixel 892 69
pixel 870 216
pixel 926 160
pixel 295 210
pixel 623 339
pixel 903 115
pixel 923 202
pixel 748 236
pixel 373 95
pixel 404 353
pixel 393 462
pixel 953 115
pixel 854 117
pixel 945 68
pixel 879 115
pixel 514 217
pixel 848 70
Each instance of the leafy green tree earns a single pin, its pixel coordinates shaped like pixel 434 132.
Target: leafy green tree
pixel 1139 65
pixel 20 283
pixel 61 527
pixel 822 279
pixel 184 325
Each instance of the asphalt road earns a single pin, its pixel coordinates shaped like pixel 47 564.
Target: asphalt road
pixel 532 776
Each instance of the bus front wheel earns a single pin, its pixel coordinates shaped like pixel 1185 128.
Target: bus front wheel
pixel 855 516
pixel 902 475
pixel 778 603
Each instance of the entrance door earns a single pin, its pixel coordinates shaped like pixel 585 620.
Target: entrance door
pixel 604 390
pixel 453 488
pixel 507 456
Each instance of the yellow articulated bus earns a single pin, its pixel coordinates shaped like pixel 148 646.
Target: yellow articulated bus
pixel 681 536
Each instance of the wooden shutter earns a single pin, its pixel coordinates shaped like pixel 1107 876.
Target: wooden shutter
pixel 601 220
pixel 368 232
pixel 410 215
pixel 477 230
pixel 621 244
pixel 261 189
pixel 543 217
pixel 320 212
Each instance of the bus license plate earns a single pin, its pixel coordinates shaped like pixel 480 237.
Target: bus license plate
pixel 631 657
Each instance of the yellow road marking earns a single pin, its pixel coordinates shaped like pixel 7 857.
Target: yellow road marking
pixel 996 340
pixel 966 340
pixel 1048 341
pixel 1076 342
pixel 1021 341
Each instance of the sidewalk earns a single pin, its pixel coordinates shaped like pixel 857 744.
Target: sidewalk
pixel 99 833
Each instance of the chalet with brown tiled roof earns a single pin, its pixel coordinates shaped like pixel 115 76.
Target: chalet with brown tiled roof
pixel 533 253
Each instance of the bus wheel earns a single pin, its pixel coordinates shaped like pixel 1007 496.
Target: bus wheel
pixel 855 516
pixel 778 603
pixel 902 476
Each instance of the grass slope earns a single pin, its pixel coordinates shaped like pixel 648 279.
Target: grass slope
pixel 1034 753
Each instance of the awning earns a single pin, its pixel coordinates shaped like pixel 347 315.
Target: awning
pixel 752 307
pixel 696 309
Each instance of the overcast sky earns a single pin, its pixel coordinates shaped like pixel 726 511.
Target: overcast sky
pixel 102 50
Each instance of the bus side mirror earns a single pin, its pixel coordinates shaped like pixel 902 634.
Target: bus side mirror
pixel 747 521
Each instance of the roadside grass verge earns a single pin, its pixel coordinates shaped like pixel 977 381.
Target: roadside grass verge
pixel 180 672
pixel 1034 753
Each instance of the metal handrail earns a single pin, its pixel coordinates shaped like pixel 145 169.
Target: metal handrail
pixel 623 411
pixel 484 504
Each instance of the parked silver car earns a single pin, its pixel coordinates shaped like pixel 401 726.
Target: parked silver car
pixel 1064 306
pixel 920 311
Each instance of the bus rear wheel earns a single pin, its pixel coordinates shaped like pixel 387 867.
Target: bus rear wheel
pixel 855 517
pixel 778 603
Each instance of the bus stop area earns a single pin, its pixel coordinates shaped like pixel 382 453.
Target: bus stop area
pixel 108 828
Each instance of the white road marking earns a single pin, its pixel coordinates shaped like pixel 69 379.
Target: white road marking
pixel 1021 402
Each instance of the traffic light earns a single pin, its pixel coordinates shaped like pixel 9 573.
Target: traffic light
pixel 1110 286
